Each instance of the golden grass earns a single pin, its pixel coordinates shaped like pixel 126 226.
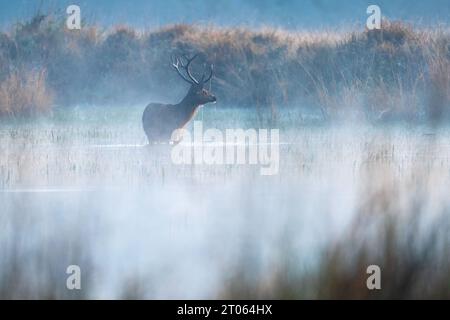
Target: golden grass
pixel 25 93
pixel 338 73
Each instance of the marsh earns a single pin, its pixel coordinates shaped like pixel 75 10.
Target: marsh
pixel 351 121
pixel 141 226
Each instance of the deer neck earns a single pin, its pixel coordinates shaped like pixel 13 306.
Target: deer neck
pixel 189 107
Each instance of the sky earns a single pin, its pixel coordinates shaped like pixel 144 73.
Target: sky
pixel 290 14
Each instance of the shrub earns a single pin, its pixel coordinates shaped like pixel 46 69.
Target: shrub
pixel 25 93
pixel 338 74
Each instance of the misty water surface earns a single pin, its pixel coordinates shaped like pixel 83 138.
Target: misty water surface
pixel 84 188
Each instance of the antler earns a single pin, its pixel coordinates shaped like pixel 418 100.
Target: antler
pixel 177 63
pixel 211 67
pixel 186 67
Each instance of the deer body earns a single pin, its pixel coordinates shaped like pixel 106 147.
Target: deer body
pixel 161 120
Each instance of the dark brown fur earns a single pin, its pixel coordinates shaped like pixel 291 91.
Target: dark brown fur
pixel 161 120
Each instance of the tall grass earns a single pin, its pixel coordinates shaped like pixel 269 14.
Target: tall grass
pixel 25 94
pixel 393 228
pixel 142 227
pixel 36 247
pixel 337 74
pixel 397 226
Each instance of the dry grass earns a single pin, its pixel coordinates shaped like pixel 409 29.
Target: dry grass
pixel 337 74
pixel 25 94
pixel 398 223
pixel 392 228
pixel 439 93
pixel 36 249
pixel 154 247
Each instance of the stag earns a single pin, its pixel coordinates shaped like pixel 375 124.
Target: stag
pixel 161 120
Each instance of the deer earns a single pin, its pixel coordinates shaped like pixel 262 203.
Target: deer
pixel 161 120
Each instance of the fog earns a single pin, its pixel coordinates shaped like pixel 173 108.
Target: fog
pixel 364 160
pixel 140 226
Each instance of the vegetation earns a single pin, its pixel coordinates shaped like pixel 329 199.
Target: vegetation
pixel 81 190
pixel 409 246
pixel 25 94
pixel 75 191
pixel 398 72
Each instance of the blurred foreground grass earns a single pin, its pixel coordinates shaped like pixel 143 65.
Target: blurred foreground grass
pixel 82 188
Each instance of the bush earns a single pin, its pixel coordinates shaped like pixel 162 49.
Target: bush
pixel 338 74
pixel 25 94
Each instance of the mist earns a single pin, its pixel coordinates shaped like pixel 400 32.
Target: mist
pixel 362 152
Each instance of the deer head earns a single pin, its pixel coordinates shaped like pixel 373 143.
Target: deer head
pixel 197 94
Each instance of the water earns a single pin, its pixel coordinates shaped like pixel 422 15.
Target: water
pixel 87 190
